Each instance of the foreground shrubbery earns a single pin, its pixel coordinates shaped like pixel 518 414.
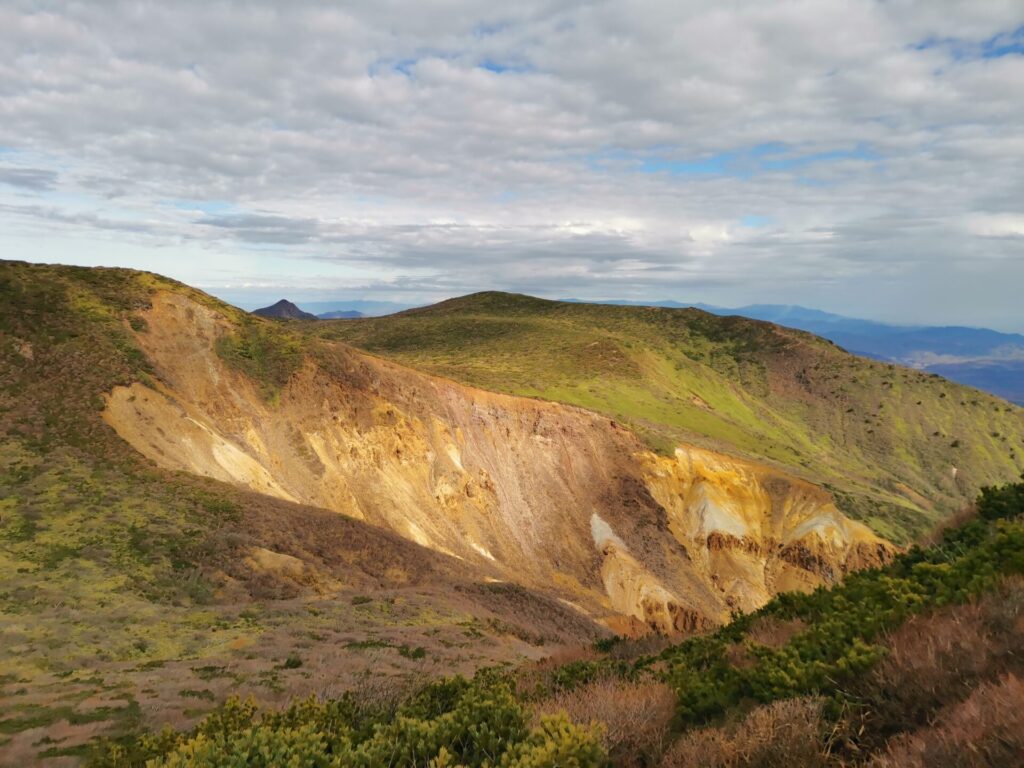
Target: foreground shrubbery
pixel 636 716
pixel 910 664
pixel 449 723
pixel 784 733
pixel 843 623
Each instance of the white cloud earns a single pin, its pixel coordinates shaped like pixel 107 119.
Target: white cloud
pixel 996 225
pixel 594 149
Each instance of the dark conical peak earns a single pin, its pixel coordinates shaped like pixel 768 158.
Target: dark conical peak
pixel 284 310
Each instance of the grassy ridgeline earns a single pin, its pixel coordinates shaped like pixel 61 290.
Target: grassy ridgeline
pixel 885 438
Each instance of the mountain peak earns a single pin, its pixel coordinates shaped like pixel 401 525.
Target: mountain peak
pixel 284 310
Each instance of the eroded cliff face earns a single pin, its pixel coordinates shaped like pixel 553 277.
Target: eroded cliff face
pixel 755 530
pixel 554 497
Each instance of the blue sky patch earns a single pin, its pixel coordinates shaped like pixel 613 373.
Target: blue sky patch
pixel 714 165
pixel 500 67
pixel 404 66
pixel 1003 44
pixel 742 164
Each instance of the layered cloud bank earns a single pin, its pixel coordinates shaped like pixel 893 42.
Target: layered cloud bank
pixel 861 156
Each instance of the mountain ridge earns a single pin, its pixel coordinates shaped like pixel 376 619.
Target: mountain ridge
pixel 198 502
pixel 283 310
pixel 980 357
pixel 729 383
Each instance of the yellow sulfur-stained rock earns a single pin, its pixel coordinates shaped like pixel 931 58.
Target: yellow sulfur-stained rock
pixel 554 497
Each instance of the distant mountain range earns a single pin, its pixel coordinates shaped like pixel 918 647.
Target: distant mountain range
pixel 979 357
pixel 326 310
pixel 286 310
pixel 341 314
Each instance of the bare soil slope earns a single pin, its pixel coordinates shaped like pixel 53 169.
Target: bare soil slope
pixel 550 496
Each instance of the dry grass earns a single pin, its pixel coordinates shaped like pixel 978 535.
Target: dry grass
pixel 371 693
pixel 636 716
pixel 785 733
pixel 939 658
pixel 986 729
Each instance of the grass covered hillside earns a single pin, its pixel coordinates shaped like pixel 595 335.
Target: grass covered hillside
pixel 135 596
pixel 132 595
pixel 899 448
pixel 918 664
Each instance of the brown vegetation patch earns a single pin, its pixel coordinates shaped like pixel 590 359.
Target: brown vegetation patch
pixel 774 632
pixel 956 520
pixel 938 658
pixel 636 716
pixel 786 734
pixel 535 679
pixel 984 731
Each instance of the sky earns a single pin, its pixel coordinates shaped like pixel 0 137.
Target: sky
pixel 865 158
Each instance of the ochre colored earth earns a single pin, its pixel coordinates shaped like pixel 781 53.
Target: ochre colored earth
pixel 556 498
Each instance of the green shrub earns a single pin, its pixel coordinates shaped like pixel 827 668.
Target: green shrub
pixel 451 722
pixel 419 652
pixel 557 743
pixel 844 622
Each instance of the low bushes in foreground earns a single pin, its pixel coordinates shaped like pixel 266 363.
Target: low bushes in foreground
pixel 918 663
pixel 788 733
pixel 636 716
pixel 450 723
pixel 840 627
pixel 986 729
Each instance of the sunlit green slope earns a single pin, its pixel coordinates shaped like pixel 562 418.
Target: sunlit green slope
pixel 899 447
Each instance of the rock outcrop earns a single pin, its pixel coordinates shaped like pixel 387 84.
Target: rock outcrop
pixel 553 497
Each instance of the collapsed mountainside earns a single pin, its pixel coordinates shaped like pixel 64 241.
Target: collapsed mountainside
pixel 133 594
pixel 553 497
pixel 900 449
pixel 345 518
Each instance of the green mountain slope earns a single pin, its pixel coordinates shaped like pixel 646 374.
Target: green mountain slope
pixel 133 594
pixel 899 448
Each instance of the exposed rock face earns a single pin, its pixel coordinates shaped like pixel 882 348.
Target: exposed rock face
pixel 755 530
pixel 554 497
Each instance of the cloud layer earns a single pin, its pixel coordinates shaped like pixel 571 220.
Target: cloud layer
pixel 863 157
